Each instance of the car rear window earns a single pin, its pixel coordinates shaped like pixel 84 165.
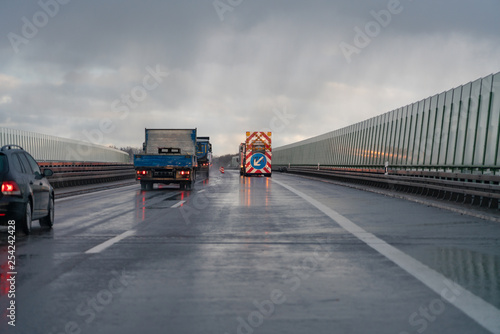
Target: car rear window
pixel 3 163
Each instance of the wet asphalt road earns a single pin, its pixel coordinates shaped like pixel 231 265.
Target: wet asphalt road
pixel 252 255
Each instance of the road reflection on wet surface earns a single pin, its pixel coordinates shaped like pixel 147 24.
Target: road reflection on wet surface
pixel 243 255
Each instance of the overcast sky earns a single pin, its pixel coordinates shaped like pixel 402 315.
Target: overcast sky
pixel 102 70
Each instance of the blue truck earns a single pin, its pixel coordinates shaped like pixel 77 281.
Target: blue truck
pixel 169 157
pixel 204 155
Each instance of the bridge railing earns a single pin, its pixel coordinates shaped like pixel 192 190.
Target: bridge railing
pixel 68 174
pixel 454 131
pixel 475 189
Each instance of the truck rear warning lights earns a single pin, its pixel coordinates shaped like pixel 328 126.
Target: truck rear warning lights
pixel 140 173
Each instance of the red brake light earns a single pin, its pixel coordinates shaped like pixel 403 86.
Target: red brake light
pixel 7 187
pixel 10 188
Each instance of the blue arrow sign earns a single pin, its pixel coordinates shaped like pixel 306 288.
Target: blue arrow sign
pixel 258 161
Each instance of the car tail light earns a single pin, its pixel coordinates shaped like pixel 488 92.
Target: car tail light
pixel 10 188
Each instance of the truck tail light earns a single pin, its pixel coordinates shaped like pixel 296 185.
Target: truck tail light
pixel 10 188
pixel 141 173
pixel 184 172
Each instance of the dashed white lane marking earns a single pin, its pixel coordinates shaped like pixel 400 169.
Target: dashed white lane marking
pixel 99 248
pixel 476 308
pixel 201 191
pixel 178 204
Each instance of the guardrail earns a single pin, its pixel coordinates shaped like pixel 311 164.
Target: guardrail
pixel 67 174
pixel 475 189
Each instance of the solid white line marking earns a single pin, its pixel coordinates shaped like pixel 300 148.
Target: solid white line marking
pixel 476 308
pixel 99 248
pixel 178 204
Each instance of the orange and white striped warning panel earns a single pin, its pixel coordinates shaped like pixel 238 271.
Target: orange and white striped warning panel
pixel 258 153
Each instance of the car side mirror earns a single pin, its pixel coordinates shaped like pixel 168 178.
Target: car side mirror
pixel 48 172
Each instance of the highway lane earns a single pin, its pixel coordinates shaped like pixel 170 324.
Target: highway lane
pixel 249 255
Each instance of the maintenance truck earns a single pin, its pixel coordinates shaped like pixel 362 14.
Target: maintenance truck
pixel 169 157
pixel 204 154
pixel 257 154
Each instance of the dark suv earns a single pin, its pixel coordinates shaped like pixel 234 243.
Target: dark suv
pixel 25 194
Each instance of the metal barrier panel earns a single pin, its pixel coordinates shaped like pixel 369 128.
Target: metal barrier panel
pixel 50 148
pixel 457 130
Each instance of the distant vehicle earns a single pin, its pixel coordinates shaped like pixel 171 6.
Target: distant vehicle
pixel 204 154
pixel 242 154
pixel 26 194
pixel 169 157
pixel 257 154
pixel 235 161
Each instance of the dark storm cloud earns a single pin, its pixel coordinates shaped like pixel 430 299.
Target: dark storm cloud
pixel 89 63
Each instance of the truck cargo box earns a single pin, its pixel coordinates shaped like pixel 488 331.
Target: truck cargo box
pixel 180 141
